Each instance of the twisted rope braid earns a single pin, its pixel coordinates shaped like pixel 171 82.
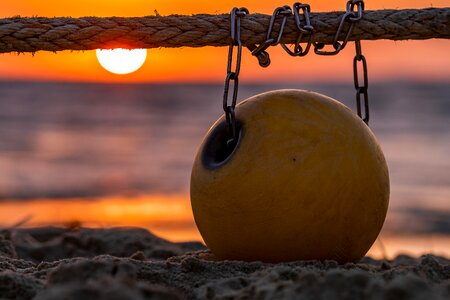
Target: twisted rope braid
pixel 55 34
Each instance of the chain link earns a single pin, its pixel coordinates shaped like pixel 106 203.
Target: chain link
pixel 351 16
pixel 233 75
pixel 307 29
pixel 260 51
pixel 361 89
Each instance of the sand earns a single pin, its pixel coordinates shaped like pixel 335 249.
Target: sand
pixel 130 263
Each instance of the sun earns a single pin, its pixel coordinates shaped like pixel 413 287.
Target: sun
pixel 121 61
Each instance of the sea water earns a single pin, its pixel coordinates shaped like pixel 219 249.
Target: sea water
pixel 69 141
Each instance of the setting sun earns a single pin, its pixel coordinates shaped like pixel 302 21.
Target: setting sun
pixel 121 61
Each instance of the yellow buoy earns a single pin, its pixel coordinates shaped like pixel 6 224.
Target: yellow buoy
pixel 306 180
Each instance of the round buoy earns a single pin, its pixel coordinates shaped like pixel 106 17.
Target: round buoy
pixel 306 180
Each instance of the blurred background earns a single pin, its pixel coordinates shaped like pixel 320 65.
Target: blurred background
pixel 80 145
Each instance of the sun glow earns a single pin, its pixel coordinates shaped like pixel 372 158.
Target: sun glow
pixel 121 61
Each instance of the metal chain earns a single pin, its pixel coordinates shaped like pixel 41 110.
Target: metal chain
pixel 307 29
pixel 361 89
pixel 233 75
pixel 351 16
pixel 260 51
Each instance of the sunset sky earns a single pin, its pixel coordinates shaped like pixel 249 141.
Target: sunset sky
pixel 388 60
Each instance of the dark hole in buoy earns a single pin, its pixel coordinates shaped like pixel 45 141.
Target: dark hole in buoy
pixel 218 148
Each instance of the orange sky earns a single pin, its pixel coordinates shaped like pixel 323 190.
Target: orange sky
pixel 416 60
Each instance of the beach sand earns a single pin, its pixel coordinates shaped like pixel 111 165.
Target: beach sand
pixel 131 263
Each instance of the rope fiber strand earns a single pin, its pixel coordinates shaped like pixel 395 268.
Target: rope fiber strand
pixel 19 34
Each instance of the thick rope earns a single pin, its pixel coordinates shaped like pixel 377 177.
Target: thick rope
pixel 56 34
